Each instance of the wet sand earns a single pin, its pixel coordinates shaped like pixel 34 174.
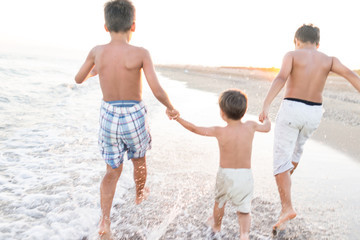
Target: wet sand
pixel 340 126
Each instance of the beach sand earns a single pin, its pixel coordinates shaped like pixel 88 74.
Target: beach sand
pixel 340 126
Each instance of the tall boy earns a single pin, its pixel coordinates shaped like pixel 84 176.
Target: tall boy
pixel 123 123
pixel 304 71
pixel 234 181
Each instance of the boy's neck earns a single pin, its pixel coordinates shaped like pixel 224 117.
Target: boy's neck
pixel 232 121
pixel 307 45
pixel 123 37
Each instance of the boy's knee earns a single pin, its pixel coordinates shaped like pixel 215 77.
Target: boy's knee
pixel 138 160
pixel 113 172
pixel 139 163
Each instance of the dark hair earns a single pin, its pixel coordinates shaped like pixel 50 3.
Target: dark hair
pixel 308 33
pixel 119 15
pixel 233 103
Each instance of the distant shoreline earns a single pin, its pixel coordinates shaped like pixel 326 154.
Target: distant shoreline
pixel 262 69
pixel 340 127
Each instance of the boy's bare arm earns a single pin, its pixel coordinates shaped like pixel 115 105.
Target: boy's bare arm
pixel 352 77
pixel 86 69
pixel 204 131
pixel 277 85
pixel 264 127
pixel 153 81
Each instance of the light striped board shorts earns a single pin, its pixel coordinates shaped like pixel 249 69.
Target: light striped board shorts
pixel 124 131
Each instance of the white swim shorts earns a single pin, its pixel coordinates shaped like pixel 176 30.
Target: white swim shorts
pixel 295 123
pixel 235 185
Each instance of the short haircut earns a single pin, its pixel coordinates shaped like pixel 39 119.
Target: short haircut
pixel 119 15
pixel 308 33
pixel 233 103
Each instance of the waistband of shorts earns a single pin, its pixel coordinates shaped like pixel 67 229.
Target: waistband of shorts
pixel 108 107
pixel 123 103
pixel 309 103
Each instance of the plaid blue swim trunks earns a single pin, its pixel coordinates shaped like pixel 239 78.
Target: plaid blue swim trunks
pixel 123 131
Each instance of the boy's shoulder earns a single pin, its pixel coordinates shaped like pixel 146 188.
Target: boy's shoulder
pixel 130 46
pixel 137 51
pixel 250 123
pixel 246 125
pixel 304 51
pixel 251 126
pixel 97 48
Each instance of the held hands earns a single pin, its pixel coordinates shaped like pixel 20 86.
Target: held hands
pixel 172 114
pixel 264 114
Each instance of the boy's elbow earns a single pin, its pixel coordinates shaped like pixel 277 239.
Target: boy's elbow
pixel 78 79
pixel 268 129
pixel 160 95
pixel 280 80
pixel 267 126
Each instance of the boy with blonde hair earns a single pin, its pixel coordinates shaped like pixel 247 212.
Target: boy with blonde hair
pixel 304 71
pixel 123 121
pixel 234 181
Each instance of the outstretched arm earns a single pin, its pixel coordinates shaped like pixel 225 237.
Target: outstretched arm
pixel 265 126
pixel 277 85
pixel 86 69
pixel 342 70
pixel 204 131
pixel 154 83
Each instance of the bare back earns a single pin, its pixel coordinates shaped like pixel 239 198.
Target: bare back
pixel 235 145
pixel 308 75
pixel 119 68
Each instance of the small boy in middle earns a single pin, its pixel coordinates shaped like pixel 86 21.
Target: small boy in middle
pixel 234 181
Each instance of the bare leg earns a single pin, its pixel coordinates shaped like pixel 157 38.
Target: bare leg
pixel 244 222
pixel 295 165
pixel 107 191
pixel 140 174
pixel 283 181
pixel 215 220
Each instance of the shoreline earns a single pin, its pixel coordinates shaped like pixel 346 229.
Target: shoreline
pixel 340 126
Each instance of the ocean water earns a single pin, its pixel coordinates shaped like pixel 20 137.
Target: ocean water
pixel 50 166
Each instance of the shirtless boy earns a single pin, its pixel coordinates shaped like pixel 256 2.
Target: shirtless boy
pixel 123 121
pixel 234 181
pixel 304 71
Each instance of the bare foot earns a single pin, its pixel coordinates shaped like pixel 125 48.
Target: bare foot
pixel 244 237
pixel 142 196
pixel 104 229
pixel 284 217
pixel 210 222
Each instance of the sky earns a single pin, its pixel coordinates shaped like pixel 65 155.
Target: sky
pixel 252 33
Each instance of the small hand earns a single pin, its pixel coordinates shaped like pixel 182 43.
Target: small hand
pixel 264 114
pixel 172 114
